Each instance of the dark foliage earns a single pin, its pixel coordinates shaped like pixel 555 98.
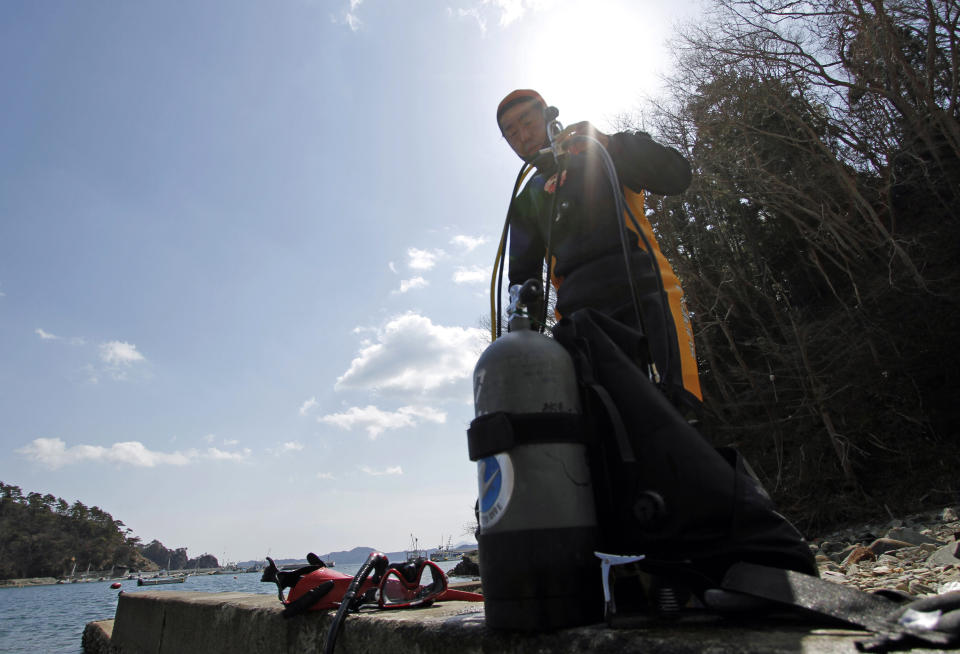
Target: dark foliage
pixel 175 559
pixel 818 245
pixel 44 536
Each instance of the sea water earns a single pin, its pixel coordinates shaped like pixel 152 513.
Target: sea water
pixel 51 619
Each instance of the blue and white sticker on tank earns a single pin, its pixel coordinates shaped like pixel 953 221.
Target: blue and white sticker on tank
pixel 495 477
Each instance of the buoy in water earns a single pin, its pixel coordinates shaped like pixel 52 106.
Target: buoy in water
pixel 115 585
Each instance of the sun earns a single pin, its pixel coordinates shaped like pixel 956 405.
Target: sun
pixel 596 60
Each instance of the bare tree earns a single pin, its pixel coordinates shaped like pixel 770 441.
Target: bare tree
pixel 817 245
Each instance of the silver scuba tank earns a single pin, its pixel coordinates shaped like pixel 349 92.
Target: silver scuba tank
pixel 538 526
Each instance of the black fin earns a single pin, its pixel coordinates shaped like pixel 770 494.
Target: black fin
pixel 269 572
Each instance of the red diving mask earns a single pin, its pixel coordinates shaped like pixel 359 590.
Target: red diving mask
pixel 415 583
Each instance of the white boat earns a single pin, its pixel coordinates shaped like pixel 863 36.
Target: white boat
pixel 414 552
pixel 444 552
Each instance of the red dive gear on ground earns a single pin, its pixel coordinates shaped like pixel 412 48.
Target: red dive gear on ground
pixel 316 587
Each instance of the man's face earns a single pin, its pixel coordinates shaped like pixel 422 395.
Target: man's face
pixel 524 128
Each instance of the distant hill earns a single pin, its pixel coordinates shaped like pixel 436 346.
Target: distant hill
pixel 175 559
pixel 45 536
pixel 356 555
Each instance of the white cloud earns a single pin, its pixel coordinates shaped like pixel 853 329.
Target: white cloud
pixel 376 421
pixel 410 284
pixel 54 453
pixel 413 355
pixel 350 17
pixel 220 455
pixel 118 358
pixel 418 259
pixel 283 448
pixel 506 12
pixel 510 10
pixel 230 441
pixel 47 336
pixel 471 275
pixel 426 413
pixel 393 470
pixel 468 243
pixel 120 353
pixel 474 13
pixel 325 475
pixel 393 267
pixel 307 405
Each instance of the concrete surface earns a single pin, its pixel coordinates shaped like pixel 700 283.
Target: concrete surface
pixel 178 622
pixel 97 635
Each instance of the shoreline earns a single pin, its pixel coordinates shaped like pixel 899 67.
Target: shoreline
pixel 31 581
pixel 62 581
pixel 54 581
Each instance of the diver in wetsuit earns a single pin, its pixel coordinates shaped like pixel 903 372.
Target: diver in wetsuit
pixel 588 264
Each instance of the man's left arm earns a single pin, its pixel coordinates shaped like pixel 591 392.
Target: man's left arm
pixel 644 164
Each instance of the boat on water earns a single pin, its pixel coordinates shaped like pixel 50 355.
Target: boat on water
pixel 158 581
pixel 227 569
pixel 444 552
pixel 163 577
pixel 414 553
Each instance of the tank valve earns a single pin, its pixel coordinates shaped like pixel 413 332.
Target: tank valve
pixel 525 302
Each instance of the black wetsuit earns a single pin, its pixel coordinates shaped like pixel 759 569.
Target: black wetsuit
pixel 588 263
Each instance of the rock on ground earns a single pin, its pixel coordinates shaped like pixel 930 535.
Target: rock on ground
pixel 917 555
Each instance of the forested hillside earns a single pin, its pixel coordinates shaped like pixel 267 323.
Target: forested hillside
pixel 45 536
pixel 175 559
pixel 819 244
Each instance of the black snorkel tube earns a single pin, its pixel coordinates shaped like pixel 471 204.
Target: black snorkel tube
pixel 621 208
pixel 376 563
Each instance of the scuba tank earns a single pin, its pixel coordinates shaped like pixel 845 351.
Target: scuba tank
pixel 538 526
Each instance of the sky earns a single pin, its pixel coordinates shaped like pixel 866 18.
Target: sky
pixel 245 250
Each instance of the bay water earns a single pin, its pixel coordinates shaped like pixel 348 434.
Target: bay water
pixel 51 619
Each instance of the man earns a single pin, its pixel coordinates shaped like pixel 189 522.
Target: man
pixel 575 212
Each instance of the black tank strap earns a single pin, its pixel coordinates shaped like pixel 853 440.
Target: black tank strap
pixel 616 422
pixel 498 432
pixel 868 610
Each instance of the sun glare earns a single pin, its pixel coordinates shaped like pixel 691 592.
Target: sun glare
pixel 596 60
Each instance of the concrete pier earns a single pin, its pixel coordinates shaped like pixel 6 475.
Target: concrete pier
pixel 173 622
